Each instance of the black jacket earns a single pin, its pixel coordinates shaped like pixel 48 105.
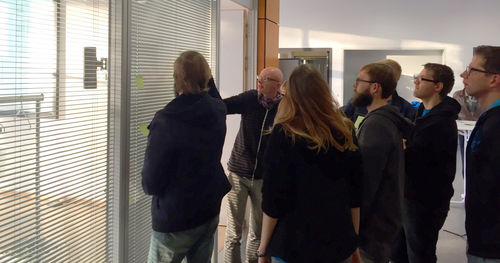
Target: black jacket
pixel 255 122
pixel 482 200
pixel 405 108
pixel 182 168
pixel 380 140
pixel 311 194
pixel 431 155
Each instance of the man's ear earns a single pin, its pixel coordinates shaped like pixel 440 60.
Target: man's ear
pixel 495 81
pixel 439 87
pixel 375 88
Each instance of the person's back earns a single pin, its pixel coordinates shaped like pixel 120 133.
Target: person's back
pixel 182 169
pixel 311 177
pixel 311 193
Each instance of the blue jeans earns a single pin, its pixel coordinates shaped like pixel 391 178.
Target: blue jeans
pixel 417 242
pixel 474 259
pixel 194 244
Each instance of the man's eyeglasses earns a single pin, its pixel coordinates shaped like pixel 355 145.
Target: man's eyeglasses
pixel 358 80
pixel 469 69
pixel 262 79
pixel 420 79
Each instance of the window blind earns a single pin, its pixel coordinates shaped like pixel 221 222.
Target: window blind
pixel 54 183
pixel 160 31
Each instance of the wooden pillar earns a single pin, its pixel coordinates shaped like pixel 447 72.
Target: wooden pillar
pixel 268 34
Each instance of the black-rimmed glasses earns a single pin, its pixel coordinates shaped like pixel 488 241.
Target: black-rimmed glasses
pixel 469 69
pixel 358 80
pixel 420 79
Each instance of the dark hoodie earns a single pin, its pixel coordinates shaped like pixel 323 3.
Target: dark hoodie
pixel 380 137
pixel 431 155
pixel 182 168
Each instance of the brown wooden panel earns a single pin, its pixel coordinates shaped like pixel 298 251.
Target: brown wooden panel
pixel 273 10
pixel 261 13
pixel 272 44
pixel 261 45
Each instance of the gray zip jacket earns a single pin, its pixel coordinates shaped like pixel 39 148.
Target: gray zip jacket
pixel 380 138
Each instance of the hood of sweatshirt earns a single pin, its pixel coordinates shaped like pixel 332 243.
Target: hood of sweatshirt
pixel 448 107
pixel 392 113
pixel 200 110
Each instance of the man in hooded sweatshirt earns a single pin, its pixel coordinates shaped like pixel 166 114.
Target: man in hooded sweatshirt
pixel 182 169
pixel 380 136
pixel 430 164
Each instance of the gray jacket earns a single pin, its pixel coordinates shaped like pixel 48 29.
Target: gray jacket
pixel 380 140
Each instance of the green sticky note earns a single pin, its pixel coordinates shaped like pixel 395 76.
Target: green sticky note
pixel 358 121
pixel 140 82
pixel 143 127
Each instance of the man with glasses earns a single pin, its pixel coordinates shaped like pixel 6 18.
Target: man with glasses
pixel 482 201
pixel 356 114
pixel 380 137
pixel 257 109
pixel 430 156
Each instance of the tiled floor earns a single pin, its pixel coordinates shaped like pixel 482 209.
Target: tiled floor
pixel 452 242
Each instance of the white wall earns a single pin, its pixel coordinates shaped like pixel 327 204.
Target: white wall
pixel 231 76
pixel 455 26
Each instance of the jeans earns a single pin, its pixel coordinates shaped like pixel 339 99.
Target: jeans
pixel 236 205
pixel 194 244
pixel 420 234
pixel 474 259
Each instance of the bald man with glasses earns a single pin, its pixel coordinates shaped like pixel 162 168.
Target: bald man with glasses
pixel 482 202
pixel 257 108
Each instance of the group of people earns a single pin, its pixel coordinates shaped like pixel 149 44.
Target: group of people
pixel 369 182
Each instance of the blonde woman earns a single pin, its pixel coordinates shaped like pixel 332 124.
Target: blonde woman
pixel 312 178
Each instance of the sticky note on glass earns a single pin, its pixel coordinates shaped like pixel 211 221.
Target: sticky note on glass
pixel 358 121
pixel 143 127
pixel 140 82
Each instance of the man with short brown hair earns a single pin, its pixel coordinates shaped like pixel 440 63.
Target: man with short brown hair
pixel 482 202
pixel 380 137
pixel 430 158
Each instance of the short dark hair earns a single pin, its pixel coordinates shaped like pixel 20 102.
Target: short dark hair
pixel 491 55
pixel 443 74
pixel 383 75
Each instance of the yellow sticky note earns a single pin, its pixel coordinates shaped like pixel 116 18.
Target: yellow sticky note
pixel 358 121
pixel 143 127
pixel 140 82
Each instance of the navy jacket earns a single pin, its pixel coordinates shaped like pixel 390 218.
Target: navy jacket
pixel 182 169
pixel 311 194
pixel 431 156
pixel 482 200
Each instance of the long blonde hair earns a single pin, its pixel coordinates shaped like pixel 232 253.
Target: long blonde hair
pixel 308 110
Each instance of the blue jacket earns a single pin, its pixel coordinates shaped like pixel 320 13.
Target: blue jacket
pixel 182 169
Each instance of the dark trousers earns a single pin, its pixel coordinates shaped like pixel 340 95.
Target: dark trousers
pixel 418 238
pixel 461 142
